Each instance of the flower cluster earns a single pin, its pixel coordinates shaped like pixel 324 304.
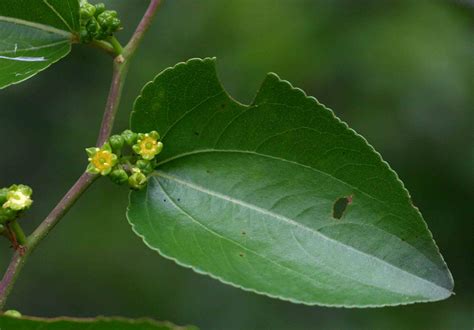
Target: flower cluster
pixel 97 23
pixel 133 169
pixel 13 201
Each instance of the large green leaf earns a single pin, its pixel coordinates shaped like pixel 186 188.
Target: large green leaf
pixel 33 35
pixel 247 194
pixel 99 323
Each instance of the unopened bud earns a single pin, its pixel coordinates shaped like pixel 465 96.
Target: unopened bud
pixel 99 8
pixel 129 137
pixel 137 181
pixel 119 176
pixel 87 10
pixel 116 142
pixel 145 166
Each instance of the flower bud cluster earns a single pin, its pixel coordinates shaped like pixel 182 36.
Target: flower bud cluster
pixel 133 169
pixel 97 23
pixel 13 201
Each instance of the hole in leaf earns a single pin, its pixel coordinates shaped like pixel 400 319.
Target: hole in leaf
pixel 340 206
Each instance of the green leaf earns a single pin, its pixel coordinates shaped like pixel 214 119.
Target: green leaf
pixel 279 198
pixel 99 323
pixel 34 34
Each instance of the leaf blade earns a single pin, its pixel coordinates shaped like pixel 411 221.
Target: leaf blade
pixel 296 135
pixel 34 36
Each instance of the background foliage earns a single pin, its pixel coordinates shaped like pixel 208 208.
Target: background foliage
pixel 399 72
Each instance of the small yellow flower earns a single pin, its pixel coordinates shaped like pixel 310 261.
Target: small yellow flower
pixel 101 160
pixel 18 198
pixel 148 145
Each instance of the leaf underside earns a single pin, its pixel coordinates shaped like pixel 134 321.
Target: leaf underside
pixel 99 323
pixel 33 35
pixel 247 194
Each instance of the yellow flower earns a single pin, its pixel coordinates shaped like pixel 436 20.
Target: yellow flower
pixel 148 146
pixel 101 160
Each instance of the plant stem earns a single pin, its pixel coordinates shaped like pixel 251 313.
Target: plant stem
pixel 141 29
pixel 19 234
pixel 81 185
pixel 113 100
pixel 117 46
pixel 120 68
pixel 105 46
pixel 121 64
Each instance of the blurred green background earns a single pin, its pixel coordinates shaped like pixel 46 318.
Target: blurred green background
pixel 399 72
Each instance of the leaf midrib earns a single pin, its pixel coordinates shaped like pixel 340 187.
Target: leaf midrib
pixel 201 151
pixel 306 277
pixel 227 239
pixel 280 217
pixel 311 280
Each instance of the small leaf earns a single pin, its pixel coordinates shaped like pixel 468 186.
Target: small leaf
pixel 34 35
pixel 279 197
pixel 99 323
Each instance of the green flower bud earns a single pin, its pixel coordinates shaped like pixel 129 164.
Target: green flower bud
pixel 145 166
pixel 105 17
pixel 93 27
pixel 18 198
pixel 99 8
pixel 116 142
pixel 12 313
pixel 137 180
pixel 129 137
pixel 119 176
pixel 147 145
pixel 101 160
pixel 115 24
pixel 109 23
pixel 87 11
pixel 97 22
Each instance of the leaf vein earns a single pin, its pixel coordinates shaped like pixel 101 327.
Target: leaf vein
pixel 287 220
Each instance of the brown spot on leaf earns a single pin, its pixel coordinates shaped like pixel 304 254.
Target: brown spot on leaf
pixel 340 206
